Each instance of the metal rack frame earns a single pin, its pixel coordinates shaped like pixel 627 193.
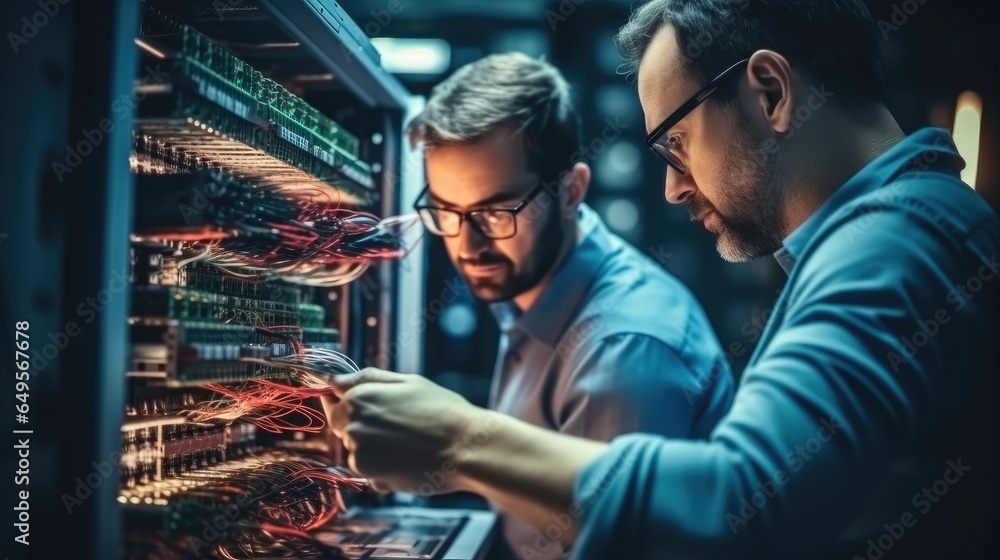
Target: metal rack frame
pixel 88 62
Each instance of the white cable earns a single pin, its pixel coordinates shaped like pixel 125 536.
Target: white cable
pixel 199 257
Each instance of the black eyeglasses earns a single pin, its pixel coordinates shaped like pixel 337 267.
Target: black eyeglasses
pixel 494 223
pixel 661 146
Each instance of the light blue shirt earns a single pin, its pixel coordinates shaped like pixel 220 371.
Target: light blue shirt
pixel 853 433
pixel 612 345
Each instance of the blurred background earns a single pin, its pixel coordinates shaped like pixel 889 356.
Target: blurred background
pixel 935 53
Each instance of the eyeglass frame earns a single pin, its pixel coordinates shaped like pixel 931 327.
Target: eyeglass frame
pixel 684 110
pixel 464 216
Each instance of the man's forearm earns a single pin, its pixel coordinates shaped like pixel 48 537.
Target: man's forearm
pixel 525 469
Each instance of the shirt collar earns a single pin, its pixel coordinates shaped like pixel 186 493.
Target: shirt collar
pixel 926 148
pixel 548 317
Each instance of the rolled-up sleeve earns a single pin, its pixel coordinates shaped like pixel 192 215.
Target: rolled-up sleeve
pixel 833 399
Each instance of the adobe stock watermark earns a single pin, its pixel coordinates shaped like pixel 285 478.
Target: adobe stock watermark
pixel 86 486
pixel 122 108
pixel 818 98
pixel 718 371
pixel 418 321
pixel 900 16
pixel 886 197
pixel 922 502
pixel 375 26
pixel 588 152
pixel 696 45
pixel 551 535
pixel 959 296
pixel 563 11
pixel 87 310
pixel 33 23
pixel 659 254
pixel 611 132
pixel 752 329
pixel 229 516
pixel 796 458
pixel 381 19
pixel 583 331
pixel 471 443
pixel 201 199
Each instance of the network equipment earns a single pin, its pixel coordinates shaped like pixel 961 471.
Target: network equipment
pixel 203 226
pixel 255 213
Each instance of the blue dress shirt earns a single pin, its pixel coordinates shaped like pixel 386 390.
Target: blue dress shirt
pixel 857 431
pixel 612 345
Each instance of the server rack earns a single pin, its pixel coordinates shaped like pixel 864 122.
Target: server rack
pixel 66 233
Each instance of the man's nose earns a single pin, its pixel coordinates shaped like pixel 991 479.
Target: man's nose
pixel 472 244
pixel 678 188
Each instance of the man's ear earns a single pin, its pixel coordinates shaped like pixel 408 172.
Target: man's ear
pixel 575 185
pixel 770 81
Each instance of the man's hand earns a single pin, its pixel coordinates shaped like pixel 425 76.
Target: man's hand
pixel 406 433
pixel 402 430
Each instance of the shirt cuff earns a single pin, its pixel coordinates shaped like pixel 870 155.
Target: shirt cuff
pixel 601 493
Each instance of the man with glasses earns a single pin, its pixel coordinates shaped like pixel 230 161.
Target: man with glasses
pixel 582 313
pixel 864 424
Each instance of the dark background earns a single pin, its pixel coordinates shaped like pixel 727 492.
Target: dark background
pixel 60 245
pixel 942 49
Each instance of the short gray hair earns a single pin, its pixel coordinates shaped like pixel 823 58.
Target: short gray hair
pixel 513 88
